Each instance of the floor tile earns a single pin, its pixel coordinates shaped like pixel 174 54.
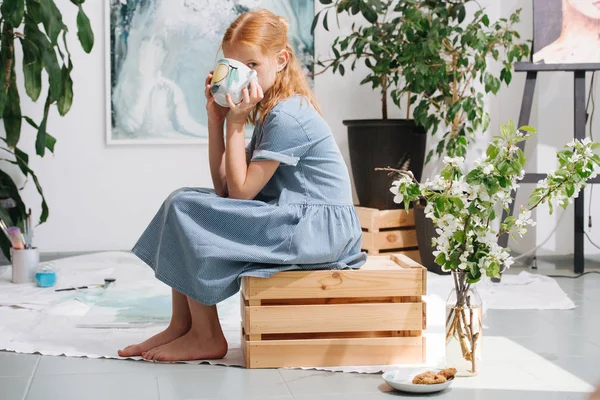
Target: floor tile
pixel 94 387
pixel 530 326
pixel 13 388
pixel 72 365
pixel 15 364
pixel 448 394
pixel 553 346
pixel 584 368
pixel 222 382
pixel 311 382
pixel 555 377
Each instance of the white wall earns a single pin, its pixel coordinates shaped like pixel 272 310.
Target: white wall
pixel 102 197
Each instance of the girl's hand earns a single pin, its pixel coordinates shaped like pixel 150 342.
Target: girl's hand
pixel 216 113
pixel 238 113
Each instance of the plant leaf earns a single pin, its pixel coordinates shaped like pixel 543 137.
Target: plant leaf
pixel 84 31
pixel 326 22
pixel 13 11
pixel 12 112
pixel 40 142
pixel 49 58
pixel 315 22
pixel 34 11
pixel 23 162
pixel 3 93
pixel 66 99
pixel 51 19
pixel 50 140
pixel 8 187
pixel 32 69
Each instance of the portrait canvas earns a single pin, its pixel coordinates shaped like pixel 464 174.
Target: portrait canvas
pixel 566 32
pixel 160 54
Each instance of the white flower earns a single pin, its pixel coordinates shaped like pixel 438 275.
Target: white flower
pixel 488 169
pixel 586 141
pixel 398 198
pixel 571 143
pixel 455 161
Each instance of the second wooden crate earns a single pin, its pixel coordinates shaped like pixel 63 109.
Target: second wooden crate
pixel 388 231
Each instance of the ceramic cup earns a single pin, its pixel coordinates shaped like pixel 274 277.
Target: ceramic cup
pixel 24 264
pixel 230 76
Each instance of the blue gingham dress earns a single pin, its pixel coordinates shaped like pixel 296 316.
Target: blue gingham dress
pixel 201 244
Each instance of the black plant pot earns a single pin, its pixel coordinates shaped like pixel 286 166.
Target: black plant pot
pixel 394 143
pixel 425 232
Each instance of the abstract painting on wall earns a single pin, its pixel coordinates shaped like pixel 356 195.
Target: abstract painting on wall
pixel 160 54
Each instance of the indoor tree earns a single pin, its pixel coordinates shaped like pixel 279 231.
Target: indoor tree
pixel 37 26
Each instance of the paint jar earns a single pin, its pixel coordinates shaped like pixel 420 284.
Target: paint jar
pixel 45 275
pixel 24 264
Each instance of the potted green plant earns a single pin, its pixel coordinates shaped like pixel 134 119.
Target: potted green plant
pixel 21 21
pixel 374 142
pixel 463 206
pixel 444 59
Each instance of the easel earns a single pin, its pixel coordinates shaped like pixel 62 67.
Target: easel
pixel 579 71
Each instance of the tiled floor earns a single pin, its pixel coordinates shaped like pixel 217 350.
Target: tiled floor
pixel 565 344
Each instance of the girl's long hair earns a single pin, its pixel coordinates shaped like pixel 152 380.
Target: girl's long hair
pixel 268 32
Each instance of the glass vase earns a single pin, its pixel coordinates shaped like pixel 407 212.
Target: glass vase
pixel 463 327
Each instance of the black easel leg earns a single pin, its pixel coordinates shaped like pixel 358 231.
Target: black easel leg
pixel 578 259
pixel 524 117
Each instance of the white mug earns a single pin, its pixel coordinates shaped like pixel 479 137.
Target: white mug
pixel 230 76
pixel 24 264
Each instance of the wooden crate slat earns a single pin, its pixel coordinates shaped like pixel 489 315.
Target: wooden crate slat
pixel 412 254
pixel 343 283
pixel 332 335
pixel 374 219
pixel 332 352
pixel 334 318
pixel 396 239
pixel 335 300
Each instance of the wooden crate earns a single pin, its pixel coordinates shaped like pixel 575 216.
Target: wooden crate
pixel 371 316
pixel 388 231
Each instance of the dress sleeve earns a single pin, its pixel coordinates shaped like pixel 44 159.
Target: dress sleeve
pixel 283 139
pixel 250 145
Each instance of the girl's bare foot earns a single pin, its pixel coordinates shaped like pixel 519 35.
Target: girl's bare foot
pixel 194 345
pixel 181 323
pixel 168 335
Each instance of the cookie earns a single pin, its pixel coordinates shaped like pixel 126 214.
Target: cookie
pixel 428 378
pixel 448 373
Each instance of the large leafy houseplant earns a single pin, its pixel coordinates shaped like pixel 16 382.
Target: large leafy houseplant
pixel 463 206
pixel 447 48
pixel 37 26
pixel 376 41
pixel 433 53
pixel 444 62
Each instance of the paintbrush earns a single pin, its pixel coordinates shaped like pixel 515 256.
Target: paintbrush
pixel 4 228
pixel 28 231
pixel 16 238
